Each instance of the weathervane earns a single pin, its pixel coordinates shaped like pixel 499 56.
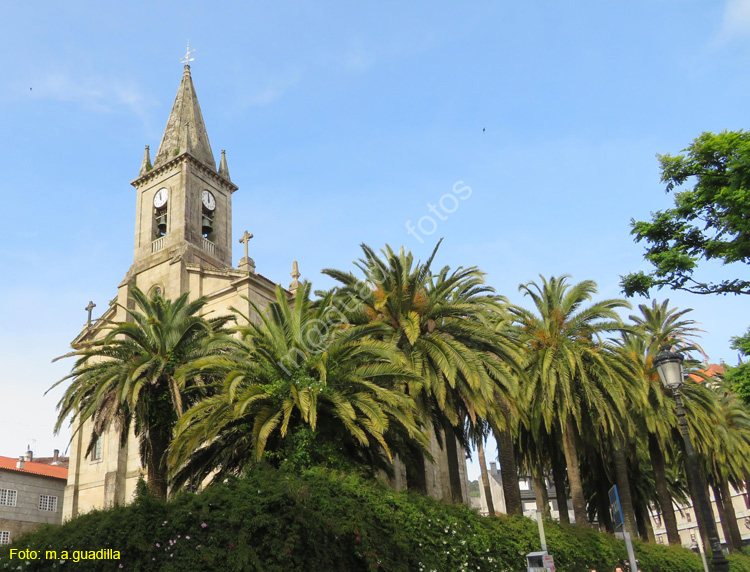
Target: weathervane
pixel 186 59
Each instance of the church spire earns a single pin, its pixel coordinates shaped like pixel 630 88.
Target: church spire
pixel 178 138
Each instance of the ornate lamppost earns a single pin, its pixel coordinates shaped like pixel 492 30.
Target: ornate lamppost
pixel 671 372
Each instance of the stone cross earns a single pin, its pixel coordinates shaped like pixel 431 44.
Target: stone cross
pixel 90 307
pixel 186 59
pixel 246 238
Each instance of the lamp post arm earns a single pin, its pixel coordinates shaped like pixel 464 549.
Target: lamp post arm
pixel 720 563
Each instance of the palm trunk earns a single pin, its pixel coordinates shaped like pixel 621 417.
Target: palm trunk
pixel 485 477
pixel 540 490
pixel 605 519
pixel 645 530
pixel 722 517
pixel 454 474
pixel 156 467
pixel 662 490
pixel 623 488
pixel 509 472
pixel 574 474
pixel 731 516
pixel 747 490
pixel 692 487
pixel 558 474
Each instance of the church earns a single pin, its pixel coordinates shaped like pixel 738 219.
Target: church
pixel 183 243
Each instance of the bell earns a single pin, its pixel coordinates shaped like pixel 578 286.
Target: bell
pixel 206 226
pixel 161 223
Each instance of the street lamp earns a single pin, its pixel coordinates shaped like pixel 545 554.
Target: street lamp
pixel 672 374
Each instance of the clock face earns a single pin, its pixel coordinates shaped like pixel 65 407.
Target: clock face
pixel 160 198
pixel 208 200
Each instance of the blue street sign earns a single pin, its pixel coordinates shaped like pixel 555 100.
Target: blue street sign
pixel 615 507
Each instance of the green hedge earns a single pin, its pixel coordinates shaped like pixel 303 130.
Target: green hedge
pixel 322 521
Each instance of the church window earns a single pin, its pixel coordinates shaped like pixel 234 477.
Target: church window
pixel 4 537
pixel 48 502
pixel 688 516
pixel 156 289
pixel 96 454
pixel 8 497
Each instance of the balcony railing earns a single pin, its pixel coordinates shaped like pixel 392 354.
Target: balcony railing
pixel 158 244
pixel 208 246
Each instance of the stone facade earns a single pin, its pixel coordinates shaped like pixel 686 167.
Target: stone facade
pixel 437 475
pixel 528 496
pixel 687 524
pixel 183 243
pixel 21 493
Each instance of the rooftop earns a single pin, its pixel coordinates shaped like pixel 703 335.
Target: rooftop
pixel 710 370
pixel 34 468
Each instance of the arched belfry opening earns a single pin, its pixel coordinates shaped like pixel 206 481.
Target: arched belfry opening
pixel 208 210
pixel 161 200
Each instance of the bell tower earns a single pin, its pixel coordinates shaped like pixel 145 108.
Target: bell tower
pixel 183 245
pixel 184 203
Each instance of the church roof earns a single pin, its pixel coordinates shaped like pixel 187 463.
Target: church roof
pixel 55 471
pixel 185 130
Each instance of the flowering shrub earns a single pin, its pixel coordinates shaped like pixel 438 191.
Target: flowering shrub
pixel 271 521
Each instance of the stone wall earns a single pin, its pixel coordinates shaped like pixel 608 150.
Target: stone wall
pixel 26 515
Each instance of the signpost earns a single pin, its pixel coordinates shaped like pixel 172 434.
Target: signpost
pixel 540 561
pixel 616 508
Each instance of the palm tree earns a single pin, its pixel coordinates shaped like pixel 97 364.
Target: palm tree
pixel 507 419
pixel 727 457
pixel 128 377
pixel 657 329
pixel 572 372
pixel 441 324
pixel 479 433
pixel 300 388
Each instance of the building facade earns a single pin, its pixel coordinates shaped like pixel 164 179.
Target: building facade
pixel 183 243
pixel 31 494
pixel 687 523
pixel 528 496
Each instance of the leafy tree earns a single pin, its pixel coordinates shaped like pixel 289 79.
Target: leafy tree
pixel 298 390
pixel 739 377
pixel 128 377
pixel 708 222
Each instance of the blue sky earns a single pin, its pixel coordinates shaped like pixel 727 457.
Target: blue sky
pixel 342 121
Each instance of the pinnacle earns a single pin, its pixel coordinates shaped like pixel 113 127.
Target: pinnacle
pixel 146 164
pixel 223 168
